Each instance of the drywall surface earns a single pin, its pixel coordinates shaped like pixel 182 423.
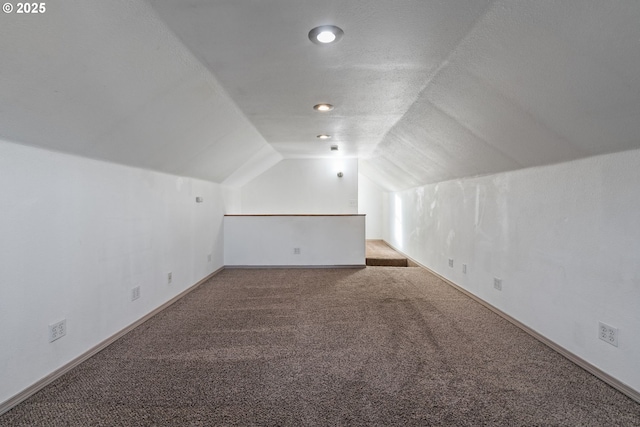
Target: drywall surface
pixel 304 186
pixel 77 236
pixel 370 204
pixel 564 239
pixel 108 80
pixel 260 162
pixel 294 240
pixel 232 199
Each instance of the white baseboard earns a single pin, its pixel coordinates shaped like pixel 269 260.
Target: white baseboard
pixel 595 371
pixel 34 388
pixel 231 267
pixel 39 385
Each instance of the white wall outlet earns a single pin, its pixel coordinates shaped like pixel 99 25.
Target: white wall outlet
pixel 464 268
pixel 353 203
pixel 608 334
pixel 451 262
pixel 135 293
pixel 57 330
pixel 296 251
pixel 169 277
pixel 497 283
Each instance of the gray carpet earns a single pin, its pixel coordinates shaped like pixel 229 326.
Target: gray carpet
pixel 375 346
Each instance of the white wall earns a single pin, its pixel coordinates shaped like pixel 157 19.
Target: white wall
pixel 232 197
pixel 370 204
pixel 270 240
pixel 564 239
pixel 77 236
pixel 304 186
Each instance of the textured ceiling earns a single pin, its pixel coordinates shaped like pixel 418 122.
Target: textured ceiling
pixel 427 91
pixel 260 53
pixel 108 80
pixel 424 91
pixel 534 82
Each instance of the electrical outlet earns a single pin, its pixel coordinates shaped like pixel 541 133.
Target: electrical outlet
pixel 169 277
pixel 608 334
pixel 497 283
pixel 57 330
pixel 451 262
pixel 135 293
pixel 296 251
pixel 209 258
pixel 464 268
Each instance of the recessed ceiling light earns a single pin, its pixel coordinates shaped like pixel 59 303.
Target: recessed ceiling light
pixel 325 34
pixel 323 136
pixel 323 107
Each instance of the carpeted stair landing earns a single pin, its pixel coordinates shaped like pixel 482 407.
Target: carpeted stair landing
pixel 378 253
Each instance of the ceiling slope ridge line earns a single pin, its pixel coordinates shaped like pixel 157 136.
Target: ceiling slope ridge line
pixel 76 155
pixel 435 160
pixel 396 135
pixel 375 176
pixel 120 124
pixel 412 146
pixel 198 153
pixel 219 91
pixel 260 162
pixel 393 174
pixel 443 64
pixel 451 179
pixel 535 119
pixel 496 174
pixel 216 86
pixel 474 134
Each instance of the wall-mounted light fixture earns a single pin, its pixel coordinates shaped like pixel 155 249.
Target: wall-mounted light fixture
pixel 326 34
pixel 323 136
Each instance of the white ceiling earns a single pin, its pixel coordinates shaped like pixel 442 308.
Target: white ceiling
pixel 424 91
pixel 109 80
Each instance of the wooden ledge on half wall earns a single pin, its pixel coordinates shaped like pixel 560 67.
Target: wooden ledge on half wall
pixel 295 215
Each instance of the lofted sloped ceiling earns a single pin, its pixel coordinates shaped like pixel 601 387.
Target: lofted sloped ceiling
pixel 424 90
pixel 427 91
pixel 108 80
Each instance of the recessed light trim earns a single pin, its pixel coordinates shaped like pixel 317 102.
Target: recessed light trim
pixel 326 34
pixel 323 136
pixel 323 107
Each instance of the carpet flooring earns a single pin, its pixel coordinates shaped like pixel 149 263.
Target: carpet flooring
pixel 326 347
pixel 378 253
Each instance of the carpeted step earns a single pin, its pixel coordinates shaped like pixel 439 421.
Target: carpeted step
pixel 378 253
pixel 387 262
